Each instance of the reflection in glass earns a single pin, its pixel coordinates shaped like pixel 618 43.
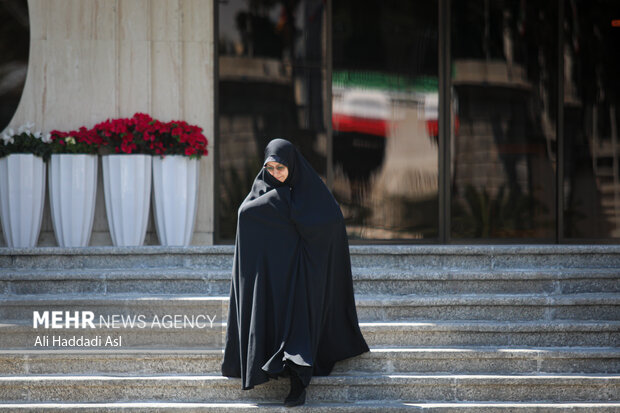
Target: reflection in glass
pixel 14 45
pixel 271 85
pixel 384 117
pixel 592 116
pixel 504 149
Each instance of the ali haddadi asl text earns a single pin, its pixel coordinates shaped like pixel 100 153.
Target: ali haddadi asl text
pixel 78 341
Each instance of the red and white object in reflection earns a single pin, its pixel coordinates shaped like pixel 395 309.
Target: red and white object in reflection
pixel 362 111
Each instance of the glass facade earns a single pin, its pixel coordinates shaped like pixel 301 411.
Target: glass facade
pixel 14 48
pixel 504 151
pixel 384 117
pixel 591 199
pixel 272 84
pixel 515 141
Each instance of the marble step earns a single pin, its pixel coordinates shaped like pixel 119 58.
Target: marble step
pixel 389 387
pixel 383 257
pixel 512 307
pixel 464 360
pixel 171 333
pixel 393 281
pixel 363 406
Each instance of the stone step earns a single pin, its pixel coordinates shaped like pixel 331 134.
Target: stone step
pixel 385 258
pixel 525 307
pixel 136 280
pixel 108 258
pixel 487 281
pixel 422 387
pixel 492 333
pixel 486 257
pixel 155 280
pixel 465 360
pixel 363 406
pixel 21 307
pixel 513 307
pixel 172 333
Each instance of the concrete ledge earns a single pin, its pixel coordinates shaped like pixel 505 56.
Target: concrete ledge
pixel 599 306
pixel 20 334
pixel 200 388
pixel 359 273
pixel 353 407
pixel 473 360
pixel 389 256
pixel 491 249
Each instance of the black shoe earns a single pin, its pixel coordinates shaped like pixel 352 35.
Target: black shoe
pixel 297 395
pixel 301 399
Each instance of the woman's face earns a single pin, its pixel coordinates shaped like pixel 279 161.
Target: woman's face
pixel 278 170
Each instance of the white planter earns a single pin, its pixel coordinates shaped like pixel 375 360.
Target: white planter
pixel 175 190
pixel 22 194
pixel 72 190
pixel 127 193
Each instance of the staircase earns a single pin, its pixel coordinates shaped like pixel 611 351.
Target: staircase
pixel 451 329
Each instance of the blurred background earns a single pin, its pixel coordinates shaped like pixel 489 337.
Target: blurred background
pixel 528 151
pixel 356 85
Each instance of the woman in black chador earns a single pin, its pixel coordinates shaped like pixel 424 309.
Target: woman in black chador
pixel 292 311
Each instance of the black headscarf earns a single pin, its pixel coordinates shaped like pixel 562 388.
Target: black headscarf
pixel 291 298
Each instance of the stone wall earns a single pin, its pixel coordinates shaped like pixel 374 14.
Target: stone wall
pixel 95 59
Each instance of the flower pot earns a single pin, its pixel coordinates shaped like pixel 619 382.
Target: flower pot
pixel 22 194
pixel 127 191
pixel 175 189
pixel 72 190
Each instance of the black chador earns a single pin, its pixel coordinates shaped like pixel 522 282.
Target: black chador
pixel 291 297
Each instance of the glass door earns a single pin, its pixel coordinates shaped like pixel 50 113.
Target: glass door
pixel 385 117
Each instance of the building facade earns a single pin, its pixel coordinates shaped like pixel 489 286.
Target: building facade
pixel 439 121
pixel 93 60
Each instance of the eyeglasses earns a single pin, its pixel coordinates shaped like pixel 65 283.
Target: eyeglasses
pixel 279 168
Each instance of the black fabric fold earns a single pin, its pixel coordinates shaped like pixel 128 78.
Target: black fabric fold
pixel 291 296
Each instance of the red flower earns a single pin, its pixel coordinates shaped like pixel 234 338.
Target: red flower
pixel 138 134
